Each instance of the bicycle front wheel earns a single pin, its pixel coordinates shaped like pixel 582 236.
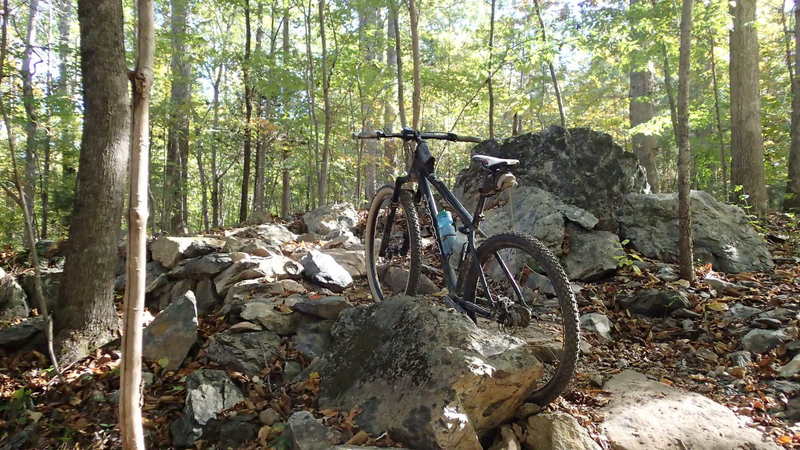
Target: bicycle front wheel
pixel 393 259
pixel 526 289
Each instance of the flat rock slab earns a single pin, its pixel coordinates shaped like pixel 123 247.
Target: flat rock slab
pixel 648 415
pixel 172 333
pixel 245 352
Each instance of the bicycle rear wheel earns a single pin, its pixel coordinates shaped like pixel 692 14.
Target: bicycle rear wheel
pixel 531 298
pixel 397 270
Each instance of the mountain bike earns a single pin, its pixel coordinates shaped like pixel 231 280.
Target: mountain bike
pixel 510 278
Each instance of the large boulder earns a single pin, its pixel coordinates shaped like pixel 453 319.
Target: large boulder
pixel 208 392
pixel 423 373
pixel 248 353
pixel 722 233
pixel 585 168
pixel 170 336
pixel 271 268
pixel 169 250
pixel 13 304
pixel 645 414
pixel 330 218
pixel 323 270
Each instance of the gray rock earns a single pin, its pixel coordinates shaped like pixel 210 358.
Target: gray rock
pixel 741 358
pixel 778 313
pixel 308 237
pixel 307 433
pixel 13 303
pixel 597 323
pixel 206 266
pixel 173 332
pixel 791 368
pixel 557 431
pixel 291 369
pixel 323 270
pixel 767 323
pixel 762 341
pixel 541 283
pixel 740 311
pixel 270 234
pixel 169 250
pixel 51 283
pixel 722 235
pixel 271 269
pixel 269 314
pixel 655 302
pixel 324 307
pixel 153 270
pixel 352 260
pixel 787 387
pixel 667 273
pixel 428 376
pixel 248 353
pixel 269 416
pixel 231 432
pixel 592 256
pixel 313 338
pixel 206 296
pixel 208 392
pixel 588 170
pixel 344 239
pixel 174 291
pixel 395 278
pixel 15 336
pixel 325 219
pixel 645 414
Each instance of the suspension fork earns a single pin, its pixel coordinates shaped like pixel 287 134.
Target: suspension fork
pixel 387 227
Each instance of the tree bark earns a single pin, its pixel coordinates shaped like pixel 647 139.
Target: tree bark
pixel 215 177
pixel 248 115
pixel 176 168
pixel 685 257
pixel 368 18
pixel 553 78
pixel 86 317
pixel 491 73
pixel 322 191
pixel 130 411
pixel 28 101
pixel 792 201
pixel 723 157
pixel 259 215
pixel 642 110
pixel 747 148
pixel 389 114
pixel 286 193
pixel 401 101
pixel 416 97
pixel 312 104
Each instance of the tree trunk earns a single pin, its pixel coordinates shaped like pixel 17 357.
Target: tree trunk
pixel 491 73
pixel 248 115
pixel 312 104
pixel 86 316
pixel 259 215
pixel 286 174
pixel 130 411
pixel 215 178
pixel 416 97
pixel 389 115
pixel 553 78
pixel 28 101
pixel 685 258
pixel 747 148
pixel 792 201
pixel 322 192
pixel 175 176
pixel 368 18
pixel 723 157
pixel 401 106
pixel 642 110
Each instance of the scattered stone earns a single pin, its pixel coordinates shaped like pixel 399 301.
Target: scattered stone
pixel 352 260
pixel 168 339
pixel 741 358
pixel 17 335
pixel 761 341
pixel 656 302
pixel 592 255
pixel 344 239
pixel 597 323
pixel 51 283
pixel 684 313
pixel 541 283
pixel 782 314
pixel 740 311
pixel 231 432
pixel 766 323
pixel 722 233
pixel 308 237
pixel 169 250
pixel 557 431
pixel 325 219
pixel 271 269
pixel 396 279
pixel 13 304
pixel 667 273
pixel 506 439
pixel 268 314
pixel 313 338
pixel 307 433
pixel 208 392
pixel 474 379
pixel 645 414
pixel 243 327
pixel 206 296
pixel 323 270
pixel 269 416
pixel 722 286
pixel 291 369
pixel 791 368
pixel 324 307
pixel 787 387
pixel 239 256
pixel 270 233
pixel 206 266
pixel 246 352
pixel 153 270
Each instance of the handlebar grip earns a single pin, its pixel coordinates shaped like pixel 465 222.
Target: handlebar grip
pixel 377 134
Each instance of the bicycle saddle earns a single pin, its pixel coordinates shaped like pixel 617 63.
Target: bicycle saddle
pixel 490 162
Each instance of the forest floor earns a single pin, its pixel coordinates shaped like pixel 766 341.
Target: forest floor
pixel 80 412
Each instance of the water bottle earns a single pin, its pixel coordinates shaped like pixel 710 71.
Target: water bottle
pixel 447 231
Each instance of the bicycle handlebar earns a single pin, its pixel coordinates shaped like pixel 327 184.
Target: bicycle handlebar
pixel 378 134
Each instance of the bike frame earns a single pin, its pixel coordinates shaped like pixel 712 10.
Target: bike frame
pixel 422 170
